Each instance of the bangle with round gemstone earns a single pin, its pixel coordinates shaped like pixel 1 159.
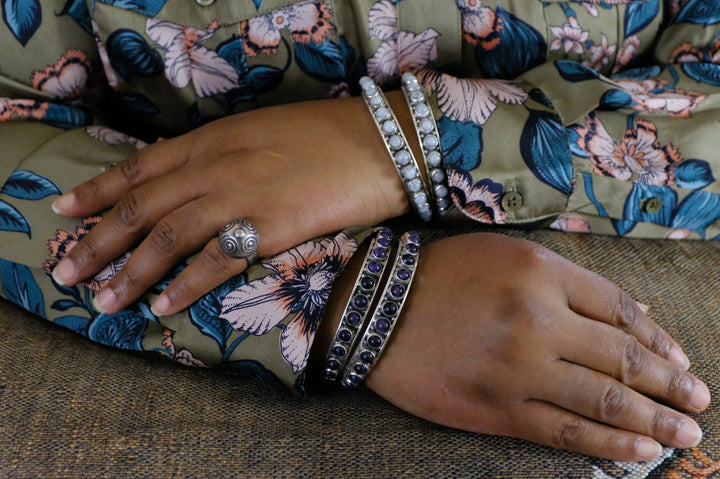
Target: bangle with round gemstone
pixel 386 313
pixel 358 306
pixel 429 138
pixel 398 147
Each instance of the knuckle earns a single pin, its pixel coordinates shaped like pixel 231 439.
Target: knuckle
pixel 131 170
pixel 567 434
pixel 633 360
pixel 679 384
pixel 660 423
pixel 659 343
pixel 612 403
pixel 126 280
pixel 624 313
pixel 86 248
pixel 128 210
pixel 180 288
pixel 164 238
pixel 92 190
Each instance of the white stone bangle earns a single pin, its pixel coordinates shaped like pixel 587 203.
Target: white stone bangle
pixel 429 138
pixel 397 145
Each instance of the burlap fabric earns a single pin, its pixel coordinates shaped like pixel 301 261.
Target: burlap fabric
pixel 71 408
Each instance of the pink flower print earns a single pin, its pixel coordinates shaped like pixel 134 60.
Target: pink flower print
pixel 626 53
pixel 480 202
pixel 113 137
pixel 182 356
pixel 67 78
pixel 298 288
pixel 591 9
pixel 600 55
pixel 110 74
pixel 22 109
pixel 651 96
pixel 685 53
pixel 678 234
pixel 639 152
pixel 676 6
pixel 383 20
pixel 407 52
pixel 308 22
pixel 480 24
pixel 571 224
pixel 186 59
pixel 341 90
pixel 569 36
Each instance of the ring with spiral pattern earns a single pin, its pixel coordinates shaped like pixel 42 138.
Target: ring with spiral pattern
pixel 239 239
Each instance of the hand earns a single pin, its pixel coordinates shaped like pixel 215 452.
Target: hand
pixel 295 171
pixel 501 336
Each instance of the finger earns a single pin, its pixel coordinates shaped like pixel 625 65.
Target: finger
pixel 552 426
pixel 106 189
pixel 619 355
pixel 610 304
pixel 599 397
pixel 209 269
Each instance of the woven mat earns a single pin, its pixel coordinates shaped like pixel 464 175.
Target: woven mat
pixel 71 408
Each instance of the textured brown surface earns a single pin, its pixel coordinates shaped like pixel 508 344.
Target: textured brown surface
pixel 71 408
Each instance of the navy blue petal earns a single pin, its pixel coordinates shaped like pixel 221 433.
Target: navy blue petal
pixel 139 105
pixel 697 211
pixel 703 72
pixel 641 73
pixel 78 11
pixel 700 12
pixel 694 174
pixel 23 18
pixel 256 370
pixel 63 304
pixel 590 193
pixel 540 97
pixel 66 117
pixel 264 78
pixel 19 286
pixel 124 330
pixel 462 144
pixel 324 62
pixel 12 220
pixel 74 323
pixel 233 52
pixel 544 148
pixel 574 71
pixel 258 4
pixel 521 48
pixel 615 99
pixel 130 55
pixel 640 192
pixel 639 15
pixel 573 137
pixel 27 185
pixel 205 312
pixel 146 7
pixel 623 227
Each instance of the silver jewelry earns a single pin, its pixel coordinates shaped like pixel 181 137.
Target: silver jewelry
pixel 239 239
pixel 429 138
pixel 397 146
pixel 358 306
pixel 386 313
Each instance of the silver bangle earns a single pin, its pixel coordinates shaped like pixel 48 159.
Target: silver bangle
pixel 429 138
pixel 386 313
pixel 358 305
pixel 397 146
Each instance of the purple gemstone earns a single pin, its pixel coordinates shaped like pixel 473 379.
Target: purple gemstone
pixel 390 308
pixel 360 301
pixel 333 364
pixel 379 253
pixel 367 282
pixel 408 260
pixel 397 290
pixel 353 318
pixel 411 248
pixel 339 351
pixel 349 384
pixel 374 267
pixel 330 375
pixel 382 325
pixel 355 380
pixel 386 233
pixel 374 341
pixel 367 357
pixel 345 335
pixel 414 236
pixel 403 274
pixel 384 242
pixel 361 369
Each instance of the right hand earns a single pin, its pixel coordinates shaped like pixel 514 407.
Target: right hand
pixel 502 336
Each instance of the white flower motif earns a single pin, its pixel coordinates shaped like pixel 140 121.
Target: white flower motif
pixel 570 36
pixel 600 54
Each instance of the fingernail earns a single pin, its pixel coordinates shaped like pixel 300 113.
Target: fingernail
pixel 63 203
pixel 647 449
pixel 678 357
pixel 645 308
pixel 104 301
pixel 160 306
pixel 689 434
pixel 64 272
pixel 700 397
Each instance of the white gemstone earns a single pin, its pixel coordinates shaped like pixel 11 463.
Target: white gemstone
pixel 370 91
pixel 422 110
pixel 396 141
pixel 434 158
pixel 437 176
pixel 389 127
pixel 375 100
pixel 443 202
pixel 416 95
pixel 402 158
pixel 366 82
pixel 430 142
pixel 420 198
pixel 424 209
pixel 426 126
pixel 408 77
pixel 441 190
pixel 409 172
pixel 382 113
pixel 415 185
pixel 412 86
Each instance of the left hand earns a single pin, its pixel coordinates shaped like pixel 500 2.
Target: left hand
pixel 295 171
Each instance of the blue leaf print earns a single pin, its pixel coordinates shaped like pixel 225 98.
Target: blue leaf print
pixel 27 185
pixel 66 117
pixel 233 52
pixel 543 146
pixel 258 4
pixel 20 287
pixel 615 99
pixel 74 323
pixel 122 330
pixel 130 55
pixel 539 96
pixel 640 192
pixel 641 73
pixel 462 144
pixel 63 304
pixel 521 48
pixel 700 12
pixel 703 72
pixel 324 62
pixel 205 311
pixel 574 71
pixel 573 137
pixel 623 227
pixel 146 7
pixel 23 18
pixel 590 193
pixel 693 174
pixel 78 10
pixel 12 220
pixel 639 15
pixel 264 78
pixel 697 211
pixel 139 105
pixel 256 370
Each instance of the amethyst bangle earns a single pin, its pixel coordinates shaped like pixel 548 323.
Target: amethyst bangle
pixel 386 313
pixel 429 138
pixel 358 306
pixel 397 145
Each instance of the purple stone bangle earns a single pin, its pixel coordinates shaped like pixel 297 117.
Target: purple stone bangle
pixel 357 308
pixel 397 145
pixel 386 313
pixel 427 133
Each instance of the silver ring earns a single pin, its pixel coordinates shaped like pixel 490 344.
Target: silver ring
pixel 239 239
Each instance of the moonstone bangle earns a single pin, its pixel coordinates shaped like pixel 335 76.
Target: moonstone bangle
pixel 386 313
pixel 429 138
pixel 358 306
pixel 397 146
